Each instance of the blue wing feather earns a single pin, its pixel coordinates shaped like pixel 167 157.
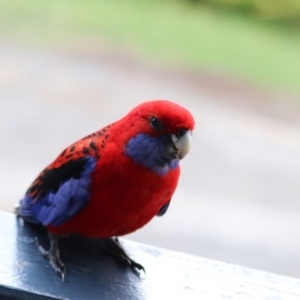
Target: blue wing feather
pixel 57 206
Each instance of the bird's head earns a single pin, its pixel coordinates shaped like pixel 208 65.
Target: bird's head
pixel 158 134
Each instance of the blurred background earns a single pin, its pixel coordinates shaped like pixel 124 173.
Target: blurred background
pixel 69 67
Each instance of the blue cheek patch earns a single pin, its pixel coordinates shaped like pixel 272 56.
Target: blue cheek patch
pixel 148 151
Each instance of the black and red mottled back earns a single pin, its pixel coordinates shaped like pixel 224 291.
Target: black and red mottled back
pixel 70 174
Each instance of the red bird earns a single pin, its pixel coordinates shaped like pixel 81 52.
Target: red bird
pixel 113 181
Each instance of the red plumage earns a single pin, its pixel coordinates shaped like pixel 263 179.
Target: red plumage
pixel 113 181
pixel 124 195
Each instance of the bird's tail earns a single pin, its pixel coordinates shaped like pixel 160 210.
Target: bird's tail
pixel 22 209
pixel 17 208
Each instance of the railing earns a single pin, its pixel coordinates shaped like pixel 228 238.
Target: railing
pixel 94 274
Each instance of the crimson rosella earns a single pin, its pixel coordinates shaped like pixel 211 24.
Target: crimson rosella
pixel 111 182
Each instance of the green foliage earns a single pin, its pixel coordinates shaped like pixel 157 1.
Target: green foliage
pixel 286 11
pixel 173 32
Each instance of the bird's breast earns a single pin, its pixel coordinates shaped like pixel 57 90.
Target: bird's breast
pixel 124 197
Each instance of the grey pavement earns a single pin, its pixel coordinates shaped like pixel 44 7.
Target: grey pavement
pixel 238 196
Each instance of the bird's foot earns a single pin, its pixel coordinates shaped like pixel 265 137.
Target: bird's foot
pixel 114 248
pixel 52 255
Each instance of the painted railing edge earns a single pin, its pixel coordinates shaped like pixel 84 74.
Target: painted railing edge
pixel 94 274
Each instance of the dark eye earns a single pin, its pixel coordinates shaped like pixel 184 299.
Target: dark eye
pixel 155 123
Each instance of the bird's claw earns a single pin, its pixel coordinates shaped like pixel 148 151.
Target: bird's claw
pixel 115 248
pixel 60 273
pixel 58 267
pixel 54 261
pixel 128 262
pixel 136 266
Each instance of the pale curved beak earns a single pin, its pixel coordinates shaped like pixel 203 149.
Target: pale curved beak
pixel 182 144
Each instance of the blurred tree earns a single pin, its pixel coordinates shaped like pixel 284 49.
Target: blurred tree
pixel 287 11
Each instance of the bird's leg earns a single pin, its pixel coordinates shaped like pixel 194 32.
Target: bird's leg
pixel 53 256
pixel 114 248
